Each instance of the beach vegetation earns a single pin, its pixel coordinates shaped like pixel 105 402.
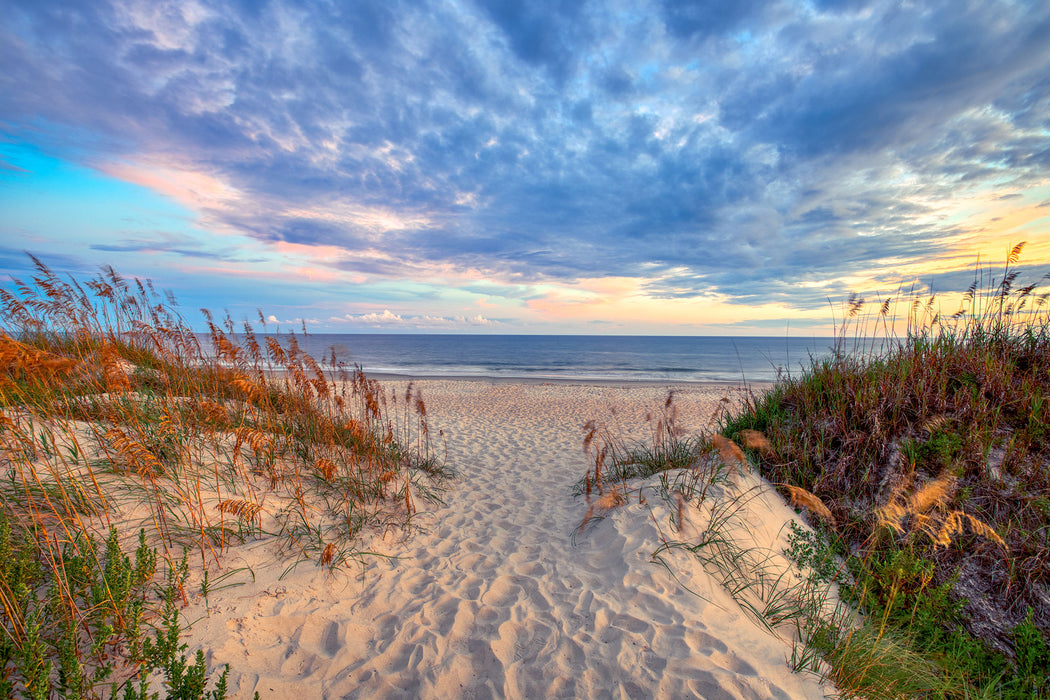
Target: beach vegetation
pixel 685 466
pixel 922 463
pixel 929 454
pixel 116 419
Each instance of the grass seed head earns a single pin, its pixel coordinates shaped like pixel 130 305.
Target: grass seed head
pixel 606 502
pixel 952 525
pixel 243 510
pixel 891 514
pixel 981 528
pixel 935 494
pixel 755 440
pixel 325 467
pixel 936 423
pixel 729 451
pixel 328 555
pixel 801 498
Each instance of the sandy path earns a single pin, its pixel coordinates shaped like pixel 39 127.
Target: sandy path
pixel 494 599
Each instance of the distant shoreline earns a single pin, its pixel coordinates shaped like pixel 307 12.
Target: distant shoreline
pixel 566 381
pixel 684 360
pixel 609 382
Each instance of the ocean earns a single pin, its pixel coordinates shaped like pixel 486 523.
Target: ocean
pixel 616 358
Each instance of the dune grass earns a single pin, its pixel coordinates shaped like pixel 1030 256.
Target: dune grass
pixel 930 460
pixel 923 463
pixel 118 419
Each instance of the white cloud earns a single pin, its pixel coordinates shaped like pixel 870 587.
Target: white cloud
pixel 385 317
pixel 424 321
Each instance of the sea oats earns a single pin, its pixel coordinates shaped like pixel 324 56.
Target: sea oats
pixel 328 554
pixel 607 501
pixel 755 440
pixel 134 454
pixel 729 451
pixel 325 467
pixel 891 514
pixel 245 511
pixel 801 498
pixel 984 530
pixel 256 439
pixel 936 423
pixel 935 493
pixel 951 526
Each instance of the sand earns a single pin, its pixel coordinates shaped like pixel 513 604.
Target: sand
pixel 492 595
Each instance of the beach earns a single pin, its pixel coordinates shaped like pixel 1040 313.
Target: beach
pixel 497 592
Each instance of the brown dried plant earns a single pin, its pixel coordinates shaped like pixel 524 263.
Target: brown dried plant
pixel 755 440
pixel 927 510
pixel 245 511
pixel 932 495
pixel 326 468
pixel 114 373
pixel 801 498
pixel 328 555
pixel 137 456
pixel 604 503
pixel 730 452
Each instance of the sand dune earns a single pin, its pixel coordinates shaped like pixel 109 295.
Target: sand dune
pixel 490 596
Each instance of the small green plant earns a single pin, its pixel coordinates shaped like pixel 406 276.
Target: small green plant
pixel 165 653
pixel 1033 662
pixel 73 624
pixel 813 552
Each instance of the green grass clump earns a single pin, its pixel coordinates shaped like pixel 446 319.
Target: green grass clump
pixel 931 456
pixel 114 411
pixel 77 618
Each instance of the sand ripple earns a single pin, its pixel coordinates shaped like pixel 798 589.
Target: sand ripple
pixel 494 599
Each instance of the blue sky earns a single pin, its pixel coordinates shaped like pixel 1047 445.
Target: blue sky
pixel 526 167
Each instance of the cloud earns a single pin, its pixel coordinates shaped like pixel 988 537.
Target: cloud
pixel 388 319
pixel 182 246
pixel 385 317
pixel 766 151
pixel 691 18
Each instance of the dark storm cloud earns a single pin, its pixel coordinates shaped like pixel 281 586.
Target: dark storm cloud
pixel 753 149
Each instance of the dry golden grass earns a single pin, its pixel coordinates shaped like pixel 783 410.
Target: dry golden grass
pixel 892 513
pixel 953 525
pixel 755 440
pixel 128 451
pixel 729 451
pixel 801 498
pixel 935 494
pixel 110 386
pixel 936 423
pixel 603 504
pixel 927 510
pixel 328 554
pixel 245 511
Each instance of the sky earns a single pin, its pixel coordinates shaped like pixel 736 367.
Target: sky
pixel 488 166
